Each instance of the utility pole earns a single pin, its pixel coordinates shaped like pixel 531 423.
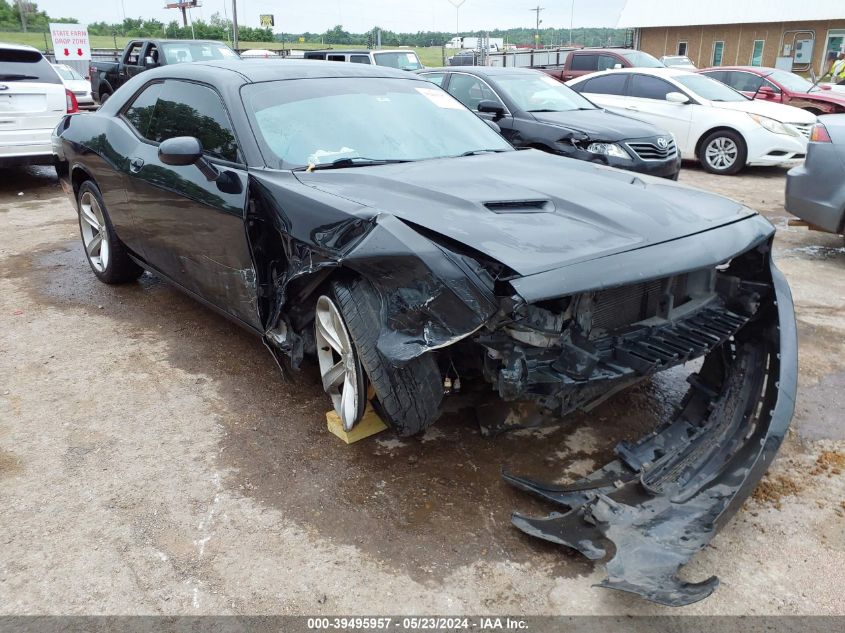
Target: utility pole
pixel 571 20
pixel 537 30
pixel 235 24
pixel 22 7
pixel 457 4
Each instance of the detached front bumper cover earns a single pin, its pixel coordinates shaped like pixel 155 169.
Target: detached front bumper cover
pixel 664 497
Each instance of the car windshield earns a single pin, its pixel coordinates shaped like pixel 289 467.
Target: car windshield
pixel 321 121
pixel 177 52
pixel 540 93
pixel 641 60
pixel 791 81
pixel 400 60
pixel 709 89
pixel 26 65
pixel 66 72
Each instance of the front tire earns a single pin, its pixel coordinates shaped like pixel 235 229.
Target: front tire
pixel 723 152
pixel 408 396
pixel 104 251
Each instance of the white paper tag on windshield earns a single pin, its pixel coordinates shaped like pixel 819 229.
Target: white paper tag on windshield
pixel 440 98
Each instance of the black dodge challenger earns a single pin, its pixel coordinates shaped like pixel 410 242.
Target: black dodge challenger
pixel 365 217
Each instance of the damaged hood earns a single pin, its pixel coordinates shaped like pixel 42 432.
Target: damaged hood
pixel 600 125
pixel 530 210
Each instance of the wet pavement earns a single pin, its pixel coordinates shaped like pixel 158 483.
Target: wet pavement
pixel 154 460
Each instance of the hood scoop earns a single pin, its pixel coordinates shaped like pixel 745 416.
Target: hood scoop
pixel 521 206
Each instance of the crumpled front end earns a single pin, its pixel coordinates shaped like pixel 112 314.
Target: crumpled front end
pixel 665 496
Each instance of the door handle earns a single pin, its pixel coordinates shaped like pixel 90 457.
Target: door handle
pixel 135 164
pixel 632 107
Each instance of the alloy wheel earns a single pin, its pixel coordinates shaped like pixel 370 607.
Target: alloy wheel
pixel 95 237
pixel 721 153
pixel 339 367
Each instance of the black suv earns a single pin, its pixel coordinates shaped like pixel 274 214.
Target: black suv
pixel 534 110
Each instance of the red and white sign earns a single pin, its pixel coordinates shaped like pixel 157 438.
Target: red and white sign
pixel 70 41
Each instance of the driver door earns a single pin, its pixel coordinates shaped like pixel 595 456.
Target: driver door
pixel 471 90
pixel 189 228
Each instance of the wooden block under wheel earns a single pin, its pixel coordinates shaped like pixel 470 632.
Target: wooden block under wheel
pixel 369 425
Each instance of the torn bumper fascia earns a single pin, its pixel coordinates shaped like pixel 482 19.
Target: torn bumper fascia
pixel 665 497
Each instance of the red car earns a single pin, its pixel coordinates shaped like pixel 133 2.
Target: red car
pixel 780 86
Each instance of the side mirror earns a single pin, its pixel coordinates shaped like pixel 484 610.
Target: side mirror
pixel 181 151
pixel 149 62
pixel 494 126
pixel 677 97
pixel 824 86
pixel 766 91
pixel 617 66
pixel 491 107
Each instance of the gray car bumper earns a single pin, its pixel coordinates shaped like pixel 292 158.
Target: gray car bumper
pixel 815 191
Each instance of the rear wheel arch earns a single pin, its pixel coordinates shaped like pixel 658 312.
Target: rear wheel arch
pixel 78 175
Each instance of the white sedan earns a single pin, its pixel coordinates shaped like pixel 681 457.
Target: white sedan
pixel 711 122
pixel 77 84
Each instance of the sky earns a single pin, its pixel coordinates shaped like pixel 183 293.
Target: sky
pixel 317 16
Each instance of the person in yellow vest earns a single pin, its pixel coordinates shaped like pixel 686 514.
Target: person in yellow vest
pixel 837 70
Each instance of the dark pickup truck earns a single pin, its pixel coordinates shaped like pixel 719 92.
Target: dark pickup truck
pixel 141 55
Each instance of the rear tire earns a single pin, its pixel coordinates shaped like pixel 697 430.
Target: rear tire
pixel 104 97
pixel 408 395
pixel 105 253
pixel 723 152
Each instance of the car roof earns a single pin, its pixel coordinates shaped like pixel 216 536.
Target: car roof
pixel 481 71
pixel 619 50
pixel 763 71
pixel 18 47
pixel 363 51
pixel 669 73
pixel 259 70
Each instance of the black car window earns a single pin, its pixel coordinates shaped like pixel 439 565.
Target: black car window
pixel 133 54
pixel 189 109
pixel 336 58
pixel 584 62
pixel 24 65
pixel 435 78
pixel 140 112
pixel 648 87
pixel 607 61
pixel 718 75
pixel 612 84
pixel 470 90
pixel 742 81
pixel 152 51
pixel 359 59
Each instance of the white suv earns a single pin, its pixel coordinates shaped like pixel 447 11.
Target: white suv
pixel 33 100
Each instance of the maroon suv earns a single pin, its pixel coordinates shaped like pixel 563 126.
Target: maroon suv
pixel 779 86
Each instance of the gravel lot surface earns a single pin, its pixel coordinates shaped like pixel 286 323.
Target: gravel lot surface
pixel 153 460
